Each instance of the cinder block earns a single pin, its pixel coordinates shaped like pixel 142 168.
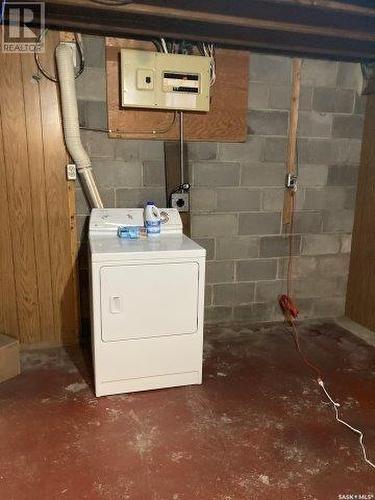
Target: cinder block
pixel 346 151
pixel 320 244
pixel 360 104
pixel 96 115
pixel 273 199
pixel 342 175
pixel 308 222
pixel 305 100
pixel 202 151
pixel 322 287
pixel 279 97
pixel 208 295
pixel 118 173
pixel 127 150
pixel 268 122
pixel 312 124
pixel 237 247
pixel 256 269
pixel 258 96
pixel 220 272
pixel 327 198
pixel 268 291
pixel 350 200
pixel 276 69
pixel 212 225
pixel 233 294
pixel 338 221
pixel 346 243
pixel 238 199
pixel 329 100
pixel 151 150
pixel 132 198
pixel 319 73
pixel 82 206
pixel 329 307
pixel 82 113
pixel 348 76
pixel 347 126
pixel 303 267
pixel 259 223
pixel 275 149
pixel 94 50
pixel 98 144
pixel 91 85
pixel 153 173
pixel 216 174
pixel 315 151
pixel 209 245
pixel 334 265
pixel 251 150
pixel 202 200
pixel 217 314
pixel 312 175
pixel 279 246
pixel 9 357
pixel 254 312
pixel 263 174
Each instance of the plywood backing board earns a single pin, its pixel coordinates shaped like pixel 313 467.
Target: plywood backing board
pixel 38 261
pixel 361 282
pixel 225 122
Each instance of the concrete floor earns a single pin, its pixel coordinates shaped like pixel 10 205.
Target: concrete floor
pixel 258 427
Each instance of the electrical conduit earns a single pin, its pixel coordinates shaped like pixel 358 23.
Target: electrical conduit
pixel 65 67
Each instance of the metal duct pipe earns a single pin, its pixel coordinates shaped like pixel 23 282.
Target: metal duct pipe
pixel 65 67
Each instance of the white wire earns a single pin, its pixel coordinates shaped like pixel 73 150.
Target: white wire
pixel 164 45
pixel 357 431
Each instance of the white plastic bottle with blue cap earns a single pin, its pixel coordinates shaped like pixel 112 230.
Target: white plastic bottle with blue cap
pixel 152 219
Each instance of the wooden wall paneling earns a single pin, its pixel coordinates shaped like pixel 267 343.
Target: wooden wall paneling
pixel 59 203
pixel 38 196
pixel 361 282
pixel 8 304
pixel 226 121
pixel 20 207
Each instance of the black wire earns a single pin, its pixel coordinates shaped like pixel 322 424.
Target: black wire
pixel 3 3
pixel 45 72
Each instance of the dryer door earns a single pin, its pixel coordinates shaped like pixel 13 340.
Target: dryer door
pixel 149 300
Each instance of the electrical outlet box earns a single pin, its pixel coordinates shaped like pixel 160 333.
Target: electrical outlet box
pixel 180 201
pixel 164 81
pixel 71 172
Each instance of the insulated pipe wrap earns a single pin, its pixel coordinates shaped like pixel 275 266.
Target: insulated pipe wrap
pixel 65 68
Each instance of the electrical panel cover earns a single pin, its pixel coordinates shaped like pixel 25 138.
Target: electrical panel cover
pixel 157 80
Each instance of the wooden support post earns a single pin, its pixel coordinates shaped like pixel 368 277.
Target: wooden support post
pixel 291 160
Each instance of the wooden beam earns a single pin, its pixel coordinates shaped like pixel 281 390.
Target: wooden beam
pixel 291 162
pixel 268 25
pixel 360 297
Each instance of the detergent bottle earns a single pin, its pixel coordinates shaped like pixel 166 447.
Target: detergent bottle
pixel 152 219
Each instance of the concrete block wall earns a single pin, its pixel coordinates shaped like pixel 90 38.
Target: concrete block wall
pixel 237 193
